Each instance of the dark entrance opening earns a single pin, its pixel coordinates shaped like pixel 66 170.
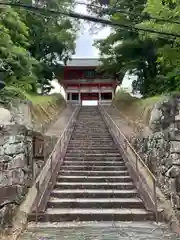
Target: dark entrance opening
pixel 75 96
pixel 106 96
pixel 68 96
pixel 89 96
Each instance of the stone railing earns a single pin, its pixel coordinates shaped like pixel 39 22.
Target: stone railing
pixel 143 178
pixel 46 179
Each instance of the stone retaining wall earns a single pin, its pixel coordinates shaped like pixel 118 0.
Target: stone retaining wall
pixel 161 149
pixel 18 165
pixel 14 167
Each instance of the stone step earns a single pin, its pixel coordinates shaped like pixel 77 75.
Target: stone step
pixel 90 151
pixel 92 214
pixel 93 173
pixel 91 131
pixel 82 129
pixel 101 141
pixel 118 163
pixel 96 114
pixel 96 134
pixel 93 193
pixel 101 128
pixel 95 203
pixel 85 143
pixel 93 154
pixel 91 167
pixel 96 118
pixel 90 138
pixel 85 120
pixel 91 147
pixel 85 136
pixel 93 143
pixel 81 178
pixel 95 158
pixel 91 124
pixel 96 145
pixel 94 185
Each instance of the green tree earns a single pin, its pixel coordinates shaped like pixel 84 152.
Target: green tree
pixel 123 49
pixel 33 47
pixel 154 58
pixel 14 57
pixel 168 52
pixel 51 40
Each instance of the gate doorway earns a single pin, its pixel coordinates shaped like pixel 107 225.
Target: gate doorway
pixel 89 103
pixel 89 99
pixel 89 96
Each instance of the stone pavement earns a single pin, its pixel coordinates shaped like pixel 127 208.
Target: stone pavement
pixel 98 231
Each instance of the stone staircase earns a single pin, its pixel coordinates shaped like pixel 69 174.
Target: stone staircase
pixel 93 184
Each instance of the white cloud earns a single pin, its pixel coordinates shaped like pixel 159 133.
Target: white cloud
pixel 84 43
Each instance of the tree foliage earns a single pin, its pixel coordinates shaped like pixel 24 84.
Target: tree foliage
pixel 154 58
pixel 33 46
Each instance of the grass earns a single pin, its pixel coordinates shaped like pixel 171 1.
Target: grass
pixel 44 108
pixel 34 98
pixel 43 100
pixel 137 111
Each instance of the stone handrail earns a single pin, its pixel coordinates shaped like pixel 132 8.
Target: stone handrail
pixel 39 192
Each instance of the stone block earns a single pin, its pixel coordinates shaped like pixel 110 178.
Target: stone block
pixel 3 215
pixel 4 179
pixel 174 158
pixel 17 176
pixel 5 116
pixel 177 117
pixel 1 151
pixel 13 130
pixel 15 139
pixel 178 105
pixel 173 172
pixel 7 158
pixel 174 134
pixel 3 140
pixel 18 161
pixel 14 149
pixel 155 119
pixel 14 176
pixel 6 214
pixel 174 147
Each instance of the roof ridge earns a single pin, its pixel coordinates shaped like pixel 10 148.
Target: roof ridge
pixel 83 62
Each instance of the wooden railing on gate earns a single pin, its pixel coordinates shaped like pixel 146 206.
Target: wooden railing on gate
pixel 46 179
pixel 144 179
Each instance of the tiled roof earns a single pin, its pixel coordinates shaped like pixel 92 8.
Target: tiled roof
pixel 84 62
